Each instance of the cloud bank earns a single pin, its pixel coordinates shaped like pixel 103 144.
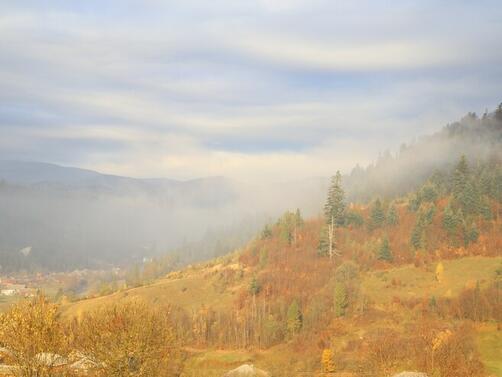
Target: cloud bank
pixel 251 90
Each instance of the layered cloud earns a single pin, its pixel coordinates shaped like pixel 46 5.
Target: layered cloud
pixel 253 90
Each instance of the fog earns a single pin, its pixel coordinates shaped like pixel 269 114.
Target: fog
pixel 400 172
pixel 72 218
pixel 106 220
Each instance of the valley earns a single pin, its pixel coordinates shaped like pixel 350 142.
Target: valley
pixel 259 188
pixel 374 287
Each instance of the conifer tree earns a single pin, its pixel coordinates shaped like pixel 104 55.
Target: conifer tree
pixel 438 181
pixel 341 299
pixel 298 224
pixel 462 226
pixel 355 219
pixel 460 176
pixel 254 286
pixel 287 226
pixel 298 218
pixel 433 303
pixel 323 248
pixel 428 193
pixel 414 203
pixel 473 234
pixel 392 216
pixel 384 252
pixel 485 183
pixel 470 198
pixel 427 216
pixel 424 219
pixel 377 214
pixel 417 240
pixel 294 318
pixel 486 211
pixel 334 210
pixel 450 221
pixel 497 186
pixel 266 232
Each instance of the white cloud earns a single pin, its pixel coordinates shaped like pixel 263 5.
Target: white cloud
pixel 345 56
pixel 247 89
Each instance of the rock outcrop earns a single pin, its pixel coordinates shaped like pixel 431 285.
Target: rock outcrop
pixel 247 370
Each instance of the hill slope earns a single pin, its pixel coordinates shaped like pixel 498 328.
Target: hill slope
pixel 287 303
pixel 401 282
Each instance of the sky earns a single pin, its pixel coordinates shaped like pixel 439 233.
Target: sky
pixel 252 90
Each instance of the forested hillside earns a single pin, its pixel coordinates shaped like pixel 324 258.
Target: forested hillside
pixel 478 138
pixel 360 289
pixel 368 288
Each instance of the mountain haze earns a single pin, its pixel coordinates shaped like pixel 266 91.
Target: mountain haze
pixel 81 218
pixel 75 218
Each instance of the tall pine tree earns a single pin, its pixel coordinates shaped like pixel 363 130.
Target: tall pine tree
pixel 377 217
pixel 417 235
pixel 450 221
pixel 334 210
pixel 298 224
pixel 254 286
pixel 384 252
pixel 470 198
pixel 323 247
pixel 460 177
pixel 392 215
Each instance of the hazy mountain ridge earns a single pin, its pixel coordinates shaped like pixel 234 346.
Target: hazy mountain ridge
pixel 65 213
pixel 46 175
pixel 391 175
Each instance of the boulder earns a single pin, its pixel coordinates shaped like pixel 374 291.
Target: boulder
pixel 50 360
pixel 247 370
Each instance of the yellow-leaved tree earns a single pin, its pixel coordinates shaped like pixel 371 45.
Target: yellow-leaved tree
pixel 34 337
pixel 328 365
pixel 439 272
pixel 128 339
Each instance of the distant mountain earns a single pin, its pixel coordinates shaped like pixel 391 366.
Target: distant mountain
pixel 203 191
pixel 74 218
pixel 29 173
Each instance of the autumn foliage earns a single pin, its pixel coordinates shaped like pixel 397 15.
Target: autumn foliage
pixel 288 291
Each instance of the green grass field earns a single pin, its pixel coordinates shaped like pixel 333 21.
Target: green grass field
pixel 190 290
pixel 490 347
pixel 412 282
